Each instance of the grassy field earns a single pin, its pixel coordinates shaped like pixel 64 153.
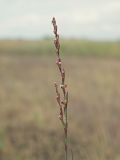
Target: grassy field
pixel 29 124
pixel 71 47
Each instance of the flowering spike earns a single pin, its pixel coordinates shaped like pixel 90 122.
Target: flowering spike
pixel 62 104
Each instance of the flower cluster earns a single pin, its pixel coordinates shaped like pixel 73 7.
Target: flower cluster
pixel 62 103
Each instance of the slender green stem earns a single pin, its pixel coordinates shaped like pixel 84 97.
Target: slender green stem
pixel 66 126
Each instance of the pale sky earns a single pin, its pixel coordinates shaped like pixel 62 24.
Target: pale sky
pixel 93 19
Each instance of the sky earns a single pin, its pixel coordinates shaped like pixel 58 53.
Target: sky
pixel 31 19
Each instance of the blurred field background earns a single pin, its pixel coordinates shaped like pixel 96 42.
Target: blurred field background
pixel 29 124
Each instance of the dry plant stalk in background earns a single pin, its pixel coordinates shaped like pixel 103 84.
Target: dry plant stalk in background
pixel 62 100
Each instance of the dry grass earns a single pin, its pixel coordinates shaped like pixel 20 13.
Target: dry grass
pixel 30 129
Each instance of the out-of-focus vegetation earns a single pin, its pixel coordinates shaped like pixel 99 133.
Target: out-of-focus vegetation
pixel 29 124
pixel 68 47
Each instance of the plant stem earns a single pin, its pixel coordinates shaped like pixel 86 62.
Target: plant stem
pixel 66 125
pixel 64 103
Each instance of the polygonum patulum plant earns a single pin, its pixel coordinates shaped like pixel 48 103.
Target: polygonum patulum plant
pixel 62 99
